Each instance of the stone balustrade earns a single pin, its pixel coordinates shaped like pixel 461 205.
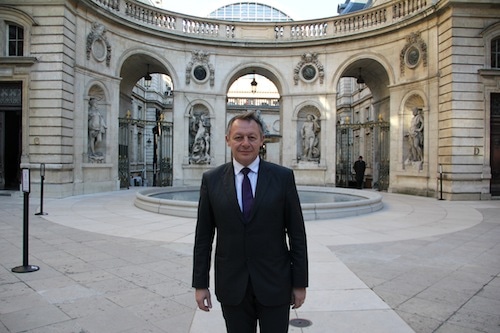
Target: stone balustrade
pixel 337 26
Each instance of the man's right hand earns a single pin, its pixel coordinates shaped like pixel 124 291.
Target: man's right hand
pixel 202 297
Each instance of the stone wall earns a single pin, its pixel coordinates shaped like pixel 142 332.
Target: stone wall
pixel 443 80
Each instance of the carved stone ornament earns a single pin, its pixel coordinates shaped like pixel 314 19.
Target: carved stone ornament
pixel 199 68
pixel 308 69
pixel 414 52
pixel 98 45
pixel 199 136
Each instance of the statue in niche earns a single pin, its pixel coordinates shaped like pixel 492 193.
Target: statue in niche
pixel 200 139
pixel 416 136
pixel 96 130
pixel 264 125
pixel 310 138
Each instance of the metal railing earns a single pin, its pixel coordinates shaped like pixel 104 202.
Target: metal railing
pixel 246 102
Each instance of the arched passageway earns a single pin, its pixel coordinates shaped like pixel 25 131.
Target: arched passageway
pixel 258 89
pixel 145 136
pixel 362 130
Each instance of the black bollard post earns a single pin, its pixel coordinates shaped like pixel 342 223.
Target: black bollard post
pixel 440 182
pixel 42 178
pixel 26 186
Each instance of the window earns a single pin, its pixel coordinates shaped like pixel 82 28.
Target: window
pixel 15 40
pixel 495 53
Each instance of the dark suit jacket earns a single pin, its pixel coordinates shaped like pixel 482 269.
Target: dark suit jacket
pixel 259 250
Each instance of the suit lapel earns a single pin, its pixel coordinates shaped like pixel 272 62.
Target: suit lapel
pixel 262 185
pixel 230 188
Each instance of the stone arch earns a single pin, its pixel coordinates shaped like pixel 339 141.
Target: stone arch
pixel 135 63
pixel 322 110
pixel 145 133
pixel 363 129
pixel 261 68
pixel 272 119
pixel 377 72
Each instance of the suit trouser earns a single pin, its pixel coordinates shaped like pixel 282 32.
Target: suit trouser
pixel 242 318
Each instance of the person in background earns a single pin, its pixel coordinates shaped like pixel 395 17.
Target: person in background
pixel 359 169
pixel 261 265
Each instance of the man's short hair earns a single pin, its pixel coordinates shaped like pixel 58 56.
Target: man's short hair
pixel 248 116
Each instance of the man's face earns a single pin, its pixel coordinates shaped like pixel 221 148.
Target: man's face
pixel 245 140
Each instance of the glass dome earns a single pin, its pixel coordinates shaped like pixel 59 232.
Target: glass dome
pixel 249 12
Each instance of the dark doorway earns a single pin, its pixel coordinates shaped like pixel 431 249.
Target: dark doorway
pixel 495 144
pixel 10 135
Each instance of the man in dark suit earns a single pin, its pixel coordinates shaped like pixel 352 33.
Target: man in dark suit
pixel 261 263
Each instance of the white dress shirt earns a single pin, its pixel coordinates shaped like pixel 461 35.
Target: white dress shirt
pixel 252 175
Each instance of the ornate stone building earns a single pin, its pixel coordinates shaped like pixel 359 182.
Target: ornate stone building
pixel 412 85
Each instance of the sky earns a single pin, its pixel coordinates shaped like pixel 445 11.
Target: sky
pixel 296 9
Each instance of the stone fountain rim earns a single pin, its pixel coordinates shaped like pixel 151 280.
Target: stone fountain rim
pixel 371 202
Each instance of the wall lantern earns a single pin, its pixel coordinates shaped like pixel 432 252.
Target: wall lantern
pixel 254 83
pixel 147 79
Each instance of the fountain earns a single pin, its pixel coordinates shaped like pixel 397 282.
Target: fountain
pixel 318 203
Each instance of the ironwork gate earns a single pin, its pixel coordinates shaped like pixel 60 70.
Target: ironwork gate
pixel 348 149
pixel 147 146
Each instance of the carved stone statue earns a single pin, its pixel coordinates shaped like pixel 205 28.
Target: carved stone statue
pixel 200 139
pixel 416 136
pixel 264 125
pixel 96 130
pixel 310 138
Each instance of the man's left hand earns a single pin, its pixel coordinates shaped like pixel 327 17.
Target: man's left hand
pixel 298 297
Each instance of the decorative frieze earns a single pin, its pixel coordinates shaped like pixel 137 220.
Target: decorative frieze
pixel 98 44
pixel 199 68
pixel 308 69
pixel 413 53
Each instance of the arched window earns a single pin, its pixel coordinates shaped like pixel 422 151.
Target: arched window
pixel 15 40
pixel 495 53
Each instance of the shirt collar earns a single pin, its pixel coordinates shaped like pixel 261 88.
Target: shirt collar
pixel 254 166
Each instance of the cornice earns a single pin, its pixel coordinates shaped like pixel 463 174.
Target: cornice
pixel 18 61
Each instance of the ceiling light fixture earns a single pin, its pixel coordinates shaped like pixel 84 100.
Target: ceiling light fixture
pixel 254 84
pixel 147 79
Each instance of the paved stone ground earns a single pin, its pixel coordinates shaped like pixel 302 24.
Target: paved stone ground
pixel 441 284
pixel 108 267
pixel 88 281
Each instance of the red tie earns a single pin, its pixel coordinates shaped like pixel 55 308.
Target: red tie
pixel 246 193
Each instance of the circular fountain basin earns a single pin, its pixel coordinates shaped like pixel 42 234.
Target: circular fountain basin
pixel 318 203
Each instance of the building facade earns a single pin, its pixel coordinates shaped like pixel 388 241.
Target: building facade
pixel 421 102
